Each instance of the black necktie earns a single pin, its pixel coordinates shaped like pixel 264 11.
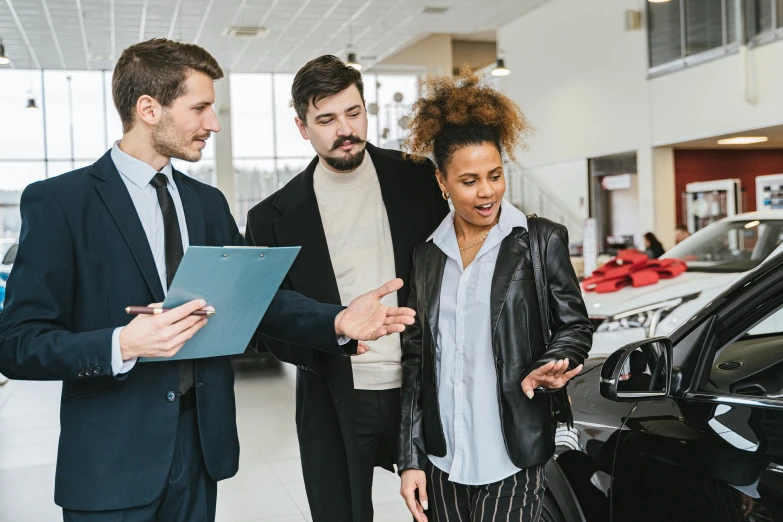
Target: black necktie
pixel 173 245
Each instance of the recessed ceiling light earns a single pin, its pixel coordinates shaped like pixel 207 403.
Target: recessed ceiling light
pixel 236 31
pixel 657 1
pixel 97 57
pixel 743 140
pixel 434 10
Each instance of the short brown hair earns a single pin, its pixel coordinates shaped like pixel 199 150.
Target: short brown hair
pixel 464 111
pixel 157 68
pixel 320 78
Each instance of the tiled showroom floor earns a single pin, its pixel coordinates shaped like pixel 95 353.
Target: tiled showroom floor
pixel 268 487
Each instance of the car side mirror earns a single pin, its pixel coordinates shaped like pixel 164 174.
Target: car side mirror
pixel 638 371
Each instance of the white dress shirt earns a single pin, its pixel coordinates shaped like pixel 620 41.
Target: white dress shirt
pixel 137 176
pixel 465 365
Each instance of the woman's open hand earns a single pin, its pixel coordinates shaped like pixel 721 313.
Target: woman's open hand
pixel 553 375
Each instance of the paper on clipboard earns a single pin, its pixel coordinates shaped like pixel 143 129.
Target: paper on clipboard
pixel 239 282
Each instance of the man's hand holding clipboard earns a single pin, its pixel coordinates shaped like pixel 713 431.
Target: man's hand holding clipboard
pixel 162 335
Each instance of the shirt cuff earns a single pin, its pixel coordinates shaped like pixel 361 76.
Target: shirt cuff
pixel 119 366
pixel 342 340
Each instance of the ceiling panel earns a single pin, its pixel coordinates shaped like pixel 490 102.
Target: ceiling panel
pixel 299 30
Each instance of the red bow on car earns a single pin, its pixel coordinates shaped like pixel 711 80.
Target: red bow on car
pixel 633 268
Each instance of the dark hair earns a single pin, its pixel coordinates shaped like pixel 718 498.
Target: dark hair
pixel 682 227
pixel 320 78
pixel 654 242
pixel 157 68
pixel 463 112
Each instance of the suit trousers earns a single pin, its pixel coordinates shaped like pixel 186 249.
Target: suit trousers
pixel 518 498
pixel 189 495
pixel 378 427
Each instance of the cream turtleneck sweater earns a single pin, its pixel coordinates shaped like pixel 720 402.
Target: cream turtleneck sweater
pixel 360 247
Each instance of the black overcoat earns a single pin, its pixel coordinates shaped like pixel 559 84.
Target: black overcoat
pixel 324 407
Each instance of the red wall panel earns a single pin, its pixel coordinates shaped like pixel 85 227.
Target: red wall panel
pixel 710 165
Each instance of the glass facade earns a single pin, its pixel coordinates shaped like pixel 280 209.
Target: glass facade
pixel 75 122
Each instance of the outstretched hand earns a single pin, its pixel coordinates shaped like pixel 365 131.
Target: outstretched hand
pixel 553 375
pixel 367 319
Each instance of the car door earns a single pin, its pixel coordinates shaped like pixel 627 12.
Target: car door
pixel 712 448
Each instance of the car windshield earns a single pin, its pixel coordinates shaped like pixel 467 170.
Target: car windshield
pixel 729 246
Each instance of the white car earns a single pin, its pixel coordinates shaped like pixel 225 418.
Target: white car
pixel 716 256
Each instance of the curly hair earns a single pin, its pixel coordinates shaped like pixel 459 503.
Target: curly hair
pixel 459 112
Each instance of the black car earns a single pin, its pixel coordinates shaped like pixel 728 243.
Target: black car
pixel 682 428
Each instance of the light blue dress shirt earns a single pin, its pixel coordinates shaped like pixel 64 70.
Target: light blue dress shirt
pixel 137 176
pixel 465 365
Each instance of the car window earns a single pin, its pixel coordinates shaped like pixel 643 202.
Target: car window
pixel 10 255
pixel 730 246
pixel 771 325
pixel 753 363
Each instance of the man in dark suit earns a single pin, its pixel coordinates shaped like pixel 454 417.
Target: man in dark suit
pixel 143 442
pixel 357 211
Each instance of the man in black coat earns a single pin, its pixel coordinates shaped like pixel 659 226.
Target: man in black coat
pixel 357 211
pixel 146 441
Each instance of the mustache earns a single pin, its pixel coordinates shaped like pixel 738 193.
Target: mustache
pixel 339 142
pixel 204 137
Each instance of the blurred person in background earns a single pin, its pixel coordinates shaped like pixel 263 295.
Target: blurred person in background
pixel 680 234
pixel 652 246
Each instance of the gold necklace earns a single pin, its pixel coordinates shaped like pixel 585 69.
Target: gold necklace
pixel 482 238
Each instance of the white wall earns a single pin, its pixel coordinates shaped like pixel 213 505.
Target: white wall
pixel 582 81
pixel 709 99
pixel 625 218
pixel 579 77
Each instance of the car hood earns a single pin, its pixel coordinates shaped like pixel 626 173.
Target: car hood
pixel 609 304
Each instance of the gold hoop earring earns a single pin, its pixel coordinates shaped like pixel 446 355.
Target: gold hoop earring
pixel 445 195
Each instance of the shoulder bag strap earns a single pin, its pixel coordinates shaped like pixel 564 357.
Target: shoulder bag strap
pixel 538 273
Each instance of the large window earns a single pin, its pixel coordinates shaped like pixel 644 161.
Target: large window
pixel 766 19
pixel 73 123
pixel 687 32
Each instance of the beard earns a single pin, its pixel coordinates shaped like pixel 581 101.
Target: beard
pixel 348 162
pixel 167 141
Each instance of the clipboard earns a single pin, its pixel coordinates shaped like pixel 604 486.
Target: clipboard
pixel 239 282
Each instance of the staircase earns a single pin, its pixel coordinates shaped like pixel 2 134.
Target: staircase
pixel 528 194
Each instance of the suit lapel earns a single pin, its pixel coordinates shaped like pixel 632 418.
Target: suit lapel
pixel 300 225
pixel 393 193
pixel 191 204
pixel 117 199
pixel 512 250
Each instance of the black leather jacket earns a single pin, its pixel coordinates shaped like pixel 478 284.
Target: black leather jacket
pixel 517 344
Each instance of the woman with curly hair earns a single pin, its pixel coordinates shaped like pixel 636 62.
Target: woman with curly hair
pixel 477 375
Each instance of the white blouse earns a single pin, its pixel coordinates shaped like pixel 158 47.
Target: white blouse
pixel 465 365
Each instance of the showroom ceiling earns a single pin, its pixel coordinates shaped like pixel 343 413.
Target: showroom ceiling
pixel 90 34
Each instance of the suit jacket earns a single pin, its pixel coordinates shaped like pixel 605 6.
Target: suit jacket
pixel 83 257
pixel 291 217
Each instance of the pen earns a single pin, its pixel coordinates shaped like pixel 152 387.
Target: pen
pixel 148 310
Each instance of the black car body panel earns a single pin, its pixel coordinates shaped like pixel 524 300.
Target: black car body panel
pixel 711 450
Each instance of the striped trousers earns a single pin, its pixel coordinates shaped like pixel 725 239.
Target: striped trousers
pixel 518 498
